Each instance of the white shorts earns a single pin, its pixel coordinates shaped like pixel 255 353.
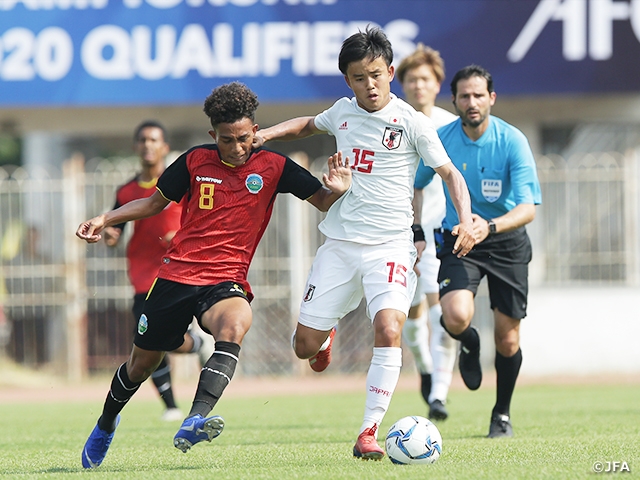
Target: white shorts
pixel 429 265
pixel 343 272
pixel 433 211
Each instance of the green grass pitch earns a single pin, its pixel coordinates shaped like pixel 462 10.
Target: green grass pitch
pixel 561 431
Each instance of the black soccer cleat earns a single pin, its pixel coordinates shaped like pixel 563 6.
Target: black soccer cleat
pixel 470 369
pixel 500 426
pixel 437 411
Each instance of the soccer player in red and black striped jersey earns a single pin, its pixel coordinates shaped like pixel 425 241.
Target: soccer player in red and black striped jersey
pixel 148 244
pixel 229 191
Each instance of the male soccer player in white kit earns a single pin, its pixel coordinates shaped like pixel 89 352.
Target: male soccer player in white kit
pixel 369 248
pixel 421 74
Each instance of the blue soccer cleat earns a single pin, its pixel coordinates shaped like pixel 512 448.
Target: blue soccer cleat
pixel 97 446
pixel 195 429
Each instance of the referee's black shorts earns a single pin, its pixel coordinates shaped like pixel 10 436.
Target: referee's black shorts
pixel 170 307
pixel 504 258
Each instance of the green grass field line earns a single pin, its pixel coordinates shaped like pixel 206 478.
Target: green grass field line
pixel 561 431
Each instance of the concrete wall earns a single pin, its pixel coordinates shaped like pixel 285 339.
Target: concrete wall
pixel 582 331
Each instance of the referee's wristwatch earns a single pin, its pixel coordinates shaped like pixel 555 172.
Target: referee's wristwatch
pixel 492 227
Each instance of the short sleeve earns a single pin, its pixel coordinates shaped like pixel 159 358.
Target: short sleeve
pixel 325 121
pixel 424 175
pixel 428 144
pixel 297 180
pixel 175 180
pixel 524 176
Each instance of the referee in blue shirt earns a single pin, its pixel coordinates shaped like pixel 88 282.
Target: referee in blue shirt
pixel 497 163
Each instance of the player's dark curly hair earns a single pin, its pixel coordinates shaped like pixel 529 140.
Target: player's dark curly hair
pixel 372 43
pixel 229 103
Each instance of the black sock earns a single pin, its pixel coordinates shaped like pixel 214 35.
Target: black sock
pixel 122 389
pixel 469 337
pixel 425 386
pixel 507 369
pixel 214 377
pixel 162 380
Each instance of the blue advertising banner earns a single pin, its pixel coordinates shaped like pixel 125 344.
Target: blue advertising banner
pixel 173 52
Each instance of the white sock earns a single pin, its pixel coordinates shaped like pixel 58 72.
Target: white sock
pixel 415 334
pixel 381 382
pixel 443 350
pixel 325 345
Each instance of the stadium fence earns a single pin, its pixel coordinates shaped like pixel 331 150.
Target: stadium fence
pixel 65 305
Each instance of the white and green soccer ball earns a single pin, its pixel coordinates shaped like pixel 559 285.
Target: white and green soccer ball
pixel 413 440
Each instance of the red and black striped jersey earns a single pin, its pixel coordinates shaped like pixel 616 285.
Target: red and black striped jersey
pixel 226 212
pixel 147 244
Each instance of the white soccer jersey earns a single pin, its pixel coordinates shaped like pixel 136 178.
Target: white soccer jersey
pixel 441 117
pixel 434 203
pixel 384 149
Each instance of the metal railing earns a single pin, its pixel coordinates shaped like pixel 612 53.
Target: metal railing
pixel 66 304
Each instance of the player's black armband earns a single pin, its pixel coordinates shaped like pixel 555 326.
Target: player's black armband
pixel 418 233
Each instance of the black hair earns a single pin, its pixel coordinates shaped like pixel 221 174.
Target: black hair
pixel 229 103
pixel 372 43
pixel 149 124
pixel 468 72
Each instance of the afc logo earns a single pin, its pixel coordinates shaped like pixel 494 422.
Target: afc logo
pixel 587 27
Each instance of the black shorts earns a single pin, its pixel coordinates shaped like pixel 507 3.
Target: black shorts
pixel 504 258
pixel 138 305
pixel 169 310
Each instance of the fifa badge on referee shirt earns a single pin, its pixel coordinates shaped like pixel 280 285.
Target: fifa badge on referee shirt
pixel 491 189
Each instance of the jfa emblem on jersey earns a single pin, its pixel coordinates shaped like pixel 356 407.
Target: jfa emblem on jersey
pixel 254 183
pixel 392 137
pixel 309 295
pixel 491 190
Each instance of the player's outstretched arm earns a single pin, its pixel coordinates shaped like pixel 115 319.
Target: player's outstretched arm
pixel 89 231
pixel 339 178
pixel 517 217
pixel 421 244
pixel 459 194
pixel 337 182
pixel 293 129
pixel 111 236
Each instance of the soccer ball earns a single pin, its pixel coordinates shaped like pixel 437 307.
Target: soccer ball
pixel 413 440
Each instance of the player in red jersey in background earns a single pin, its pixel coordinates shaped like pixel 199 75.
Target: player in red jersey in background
pixel 230 191
pixel 147 245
